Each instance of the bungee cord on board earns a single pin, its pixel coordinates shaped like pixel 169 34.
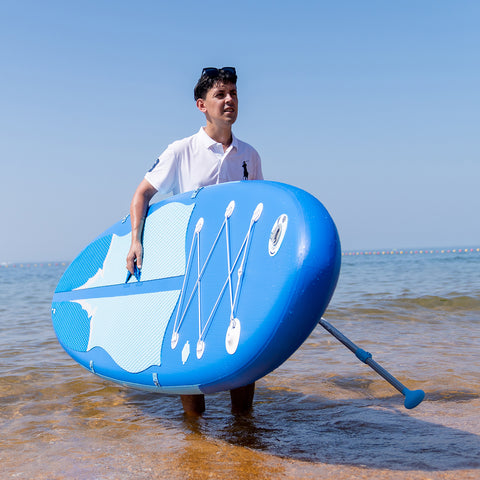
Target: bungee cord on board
pixel 231 337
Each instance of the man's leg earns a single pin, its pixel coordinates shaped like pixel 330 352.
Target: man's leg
pixel 193 404
pixel 242 398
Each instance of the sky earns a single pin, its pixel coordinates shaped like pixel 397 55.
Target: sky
pixel 371 106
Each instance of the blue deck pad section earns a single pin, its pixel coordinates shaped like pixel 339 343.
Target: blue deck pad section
pixel 71 324
pixel 164 241
pixel 133 347
pixel 164 248
pixel 85 265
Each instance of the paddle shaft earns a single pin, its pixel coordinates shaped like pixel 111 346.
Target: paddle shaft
pixel 364 356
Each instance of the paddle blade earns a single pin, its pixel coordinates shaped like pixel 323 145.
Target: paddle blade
pixel 413 398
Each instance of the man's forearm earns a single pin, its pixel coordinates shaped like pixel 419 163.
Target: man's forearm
pixel 138 211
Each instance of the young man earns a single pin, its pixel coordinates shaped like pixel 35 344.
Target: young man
pixel 213 155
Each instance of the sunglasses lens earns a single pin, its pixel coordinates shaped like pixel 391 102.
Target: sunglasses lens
pixel 229 70
pixel 210 72
pixel 215 72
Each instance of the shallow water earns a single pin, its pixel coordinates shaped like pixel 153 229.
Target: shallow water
pixel 322 414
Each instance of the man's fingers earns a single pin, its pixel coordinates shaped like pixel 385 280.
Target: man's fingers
pixel 134 257
pixel 131 262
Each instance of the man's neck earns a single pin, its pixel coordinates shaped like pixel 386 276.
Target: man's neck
pixel 220 135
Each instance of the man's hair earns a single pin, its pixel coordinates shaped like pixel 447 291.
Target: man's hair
pixel 206 82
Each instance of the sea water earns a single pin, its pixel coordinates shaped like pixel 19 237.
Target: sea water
pixel 322 414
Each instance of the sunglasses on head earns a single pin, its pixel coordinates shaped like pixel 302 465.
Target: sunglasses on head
pixel 213 72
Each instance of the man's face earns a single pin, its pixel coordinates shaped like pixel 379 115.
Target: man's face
pixel 221 104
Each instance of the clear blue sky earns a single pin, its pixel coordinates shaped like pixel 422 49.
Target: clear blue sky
pixel 372 106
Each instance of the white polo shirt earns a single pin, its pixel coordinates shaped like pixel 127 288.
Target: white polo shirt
pixel 198 161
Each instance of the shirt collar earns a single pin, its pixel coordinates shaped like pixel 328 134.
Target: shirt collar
pixel 209 142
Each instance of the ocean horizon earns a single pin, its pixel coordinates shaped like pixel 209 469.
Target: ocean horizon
pixel 352 252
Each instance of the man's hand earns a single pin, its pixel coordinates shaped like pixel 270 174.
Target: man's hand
pixel 135 256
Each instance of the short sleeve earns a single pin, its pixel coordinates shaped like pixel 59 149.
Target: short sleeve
pixel 163 174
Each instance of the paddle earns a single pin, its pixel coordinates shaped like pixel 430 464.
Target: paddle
pixel 412 397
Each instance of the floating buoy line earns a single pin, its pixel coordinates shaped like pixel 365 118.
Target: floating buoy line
pixel 350 253
pixel 411 251
pixel 33 265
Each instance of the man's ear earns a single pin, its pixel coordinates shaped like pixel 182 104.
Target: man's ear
pixel 201 105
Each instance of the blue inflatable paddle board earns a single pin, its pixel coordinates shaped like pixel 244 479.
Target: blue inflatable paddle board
pixel 235 277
